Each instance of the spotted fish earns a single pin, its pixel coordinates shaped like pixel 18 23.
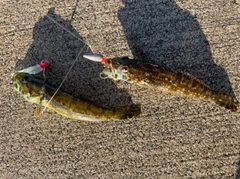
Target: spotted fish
pixel 154 76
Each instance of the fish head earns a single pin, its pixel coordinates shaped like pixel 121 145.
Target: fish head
pixel 28 86
pixel 115 74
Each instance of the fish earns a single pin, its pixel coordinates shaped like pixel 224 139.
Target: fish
pixel 39 91
pixel 168 81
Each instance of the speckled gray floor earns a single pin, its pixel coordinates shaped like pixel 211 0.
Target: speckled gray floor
pixel 175 137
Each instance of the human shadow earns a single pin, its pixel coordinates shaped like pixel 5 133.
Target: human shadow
pixel 60 47
pixel 172 38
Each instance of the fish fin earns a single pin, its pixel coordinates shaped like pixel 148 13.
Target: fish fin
pixel 131 111
pixel 196 79
pixel 38 110
pixel 228 102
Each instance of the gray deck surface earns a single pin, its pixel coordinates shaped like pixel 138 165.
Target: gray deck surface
pixel 175 137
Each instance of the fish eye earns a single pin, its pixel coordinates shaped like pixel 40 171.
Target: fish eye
pixel 24 80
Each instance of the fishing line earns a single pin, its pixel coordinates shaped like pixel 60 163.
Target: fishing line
pixel 85 44
pixel 69 70
pixel 89 46
pixel 65 28
pixel 63 79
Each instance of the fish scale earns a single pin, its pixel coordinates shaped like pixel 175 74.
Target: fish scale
pixel 30 87
pixel 154 76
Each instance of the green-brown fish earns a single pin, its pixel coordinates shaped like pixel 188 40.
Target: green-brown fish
pixel 31 88
pixel 172 82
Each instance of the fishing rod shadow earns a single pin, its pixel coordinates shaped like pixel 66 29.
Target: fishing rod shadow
pixel 56 40
pixel 172 37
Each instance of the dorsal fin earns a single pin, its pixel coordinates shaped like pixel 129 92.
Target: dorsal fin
pixel 193 77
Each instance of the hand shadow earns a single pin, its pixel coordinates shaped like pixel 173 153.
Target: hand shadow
pixel 61 48
pixel 172 38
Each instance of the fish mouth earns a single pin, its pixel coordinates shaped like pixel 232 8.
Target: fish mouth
pixel 14 82
pixel 17 87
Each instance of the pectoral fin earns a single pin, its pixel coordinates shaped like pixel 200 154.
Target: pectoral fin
pixel 38 110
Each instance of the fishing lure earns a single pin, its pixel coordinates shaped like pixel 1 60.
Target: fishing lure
pixel 30 87
pixel 41 66
pixel 36 68
pixel 154 76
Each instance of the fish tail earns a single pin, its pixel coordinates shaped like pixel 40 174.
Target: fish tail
pixel 200 90
pixel 230 103
pixel 130 111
